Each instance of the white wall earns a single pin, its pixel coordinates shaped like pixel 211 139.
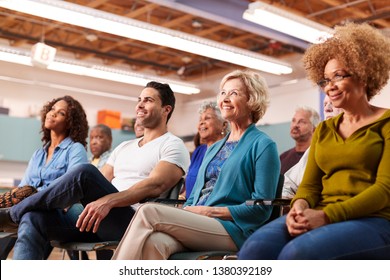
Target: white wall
pixel 285 99
pixel 382 99
pixel 9 171
pixel 25 89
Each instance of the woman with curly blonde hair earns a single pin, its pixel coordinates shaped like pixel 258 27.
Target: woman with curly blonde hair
pixel 342 207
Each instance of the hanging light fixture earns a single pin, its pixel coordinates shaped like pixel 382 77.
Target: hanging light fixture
pixel 129 28
pixel 21 56
pixel 285 22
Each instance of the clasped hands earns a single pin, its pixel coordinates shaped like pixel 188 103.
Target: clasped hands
pixel 301 218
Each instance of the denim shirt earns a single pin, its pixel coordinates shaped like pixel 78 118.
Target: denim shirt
pixel 40 174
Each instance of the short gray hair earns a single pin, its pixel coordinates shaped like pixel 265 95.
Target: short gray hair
pixel 104 128
pixel 210 105
pixel 315 118
pixel 213 105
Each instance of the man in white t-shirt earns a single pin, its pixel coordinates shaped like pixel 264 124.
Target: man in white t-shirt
pixel 142 168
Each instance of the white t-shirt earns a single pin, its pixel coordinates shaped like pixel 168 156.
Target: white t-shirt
pixel 293 176
pixel 132 163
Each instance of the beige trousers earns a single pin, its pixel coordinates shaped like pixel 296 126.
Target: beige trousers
pixel 157 231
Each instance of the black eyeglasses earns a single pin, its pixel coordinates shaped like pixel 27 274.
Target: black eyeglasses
pixel 337 78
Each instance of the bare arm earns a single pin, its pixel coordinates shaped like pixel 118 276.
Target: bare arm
pixel 162 178
pixel 107 171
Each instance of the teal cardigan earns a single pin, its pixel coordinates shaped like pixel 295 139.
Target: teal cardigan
pixel 251 171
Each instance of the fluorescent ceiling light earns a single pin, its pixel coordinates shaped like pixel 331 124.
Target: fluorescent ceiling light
pixel 129 28
pixel 20 56
pixel 285 22
pixel 67 88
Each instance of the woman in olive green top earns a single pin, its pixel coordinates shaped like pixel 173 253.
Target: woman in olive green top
pixel 342 207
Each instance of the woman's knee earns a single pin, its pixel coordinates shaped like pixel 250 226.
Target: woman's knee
pixel 32 223
pixel 159 246
pixel 266 242
pixel 305 247
pixel 83 168
pixel 293 251
pixel 81 172
pixel 34 219
pixel 251 250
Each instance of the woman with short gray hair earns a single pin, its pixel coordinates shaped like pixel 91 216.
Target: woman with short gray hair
pixel 211 128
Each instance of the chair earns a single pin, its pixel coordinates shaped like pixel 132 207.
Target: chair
pixel 227 255
pixel 7 234
pixel 170 196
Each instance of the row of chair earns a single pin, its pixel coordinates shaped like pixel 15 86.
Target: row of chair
pixel 172 198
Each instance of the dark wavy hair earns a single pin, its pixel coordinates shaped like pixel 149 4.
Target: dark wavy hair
pixel 76 120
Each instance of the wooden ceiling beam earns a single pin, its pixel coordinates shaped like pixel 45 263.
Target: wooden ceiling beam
pixel 354 12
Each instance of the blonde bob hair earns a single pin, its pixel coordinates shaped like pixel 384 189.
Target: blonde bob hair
pixel 256 88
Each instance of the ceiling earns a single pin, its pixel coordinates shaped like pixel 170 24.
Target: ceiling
pixel 219 20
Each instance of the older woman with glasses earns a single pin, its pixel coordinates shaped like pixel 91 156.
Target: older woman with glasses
pixel 244 165
pixel 342 206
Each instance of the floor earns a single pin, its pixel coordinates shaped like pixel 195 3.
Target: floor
pixel 57 254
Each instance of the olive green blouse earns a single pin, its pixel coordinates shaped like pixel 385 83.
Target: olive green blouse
pixel 349 178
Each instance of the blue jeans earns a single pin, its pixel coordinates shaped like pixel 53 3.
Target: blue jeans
pixel 6 245
pixel 42 219
pixel 365 238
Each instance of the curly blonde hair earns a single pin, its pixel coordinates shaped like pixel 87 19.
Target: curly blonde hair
pixel 364 50
pixel 256 88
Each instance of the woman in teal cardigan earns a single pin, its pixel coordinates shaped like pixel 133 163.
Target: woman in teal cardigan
pixel 244 165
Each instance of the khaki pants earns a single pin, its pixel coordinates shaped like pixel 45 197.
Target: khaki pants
pixel 157 231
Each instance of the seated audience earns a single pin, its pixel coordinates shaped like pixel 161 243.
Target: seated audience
pixel 342 206
pixel 302 127
pixel 64 129
pixel 293 176
pixel 242 166
pixel 211 128
pixel 137 169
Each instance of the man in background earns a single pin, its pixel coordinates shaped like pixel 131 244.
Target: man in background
pixel 138 129
pixel 293 176
pixel 302 127
pixel 100 141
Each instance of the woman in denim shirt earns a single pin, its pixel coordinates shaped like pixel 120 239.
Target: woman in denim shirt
pixel 64 134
